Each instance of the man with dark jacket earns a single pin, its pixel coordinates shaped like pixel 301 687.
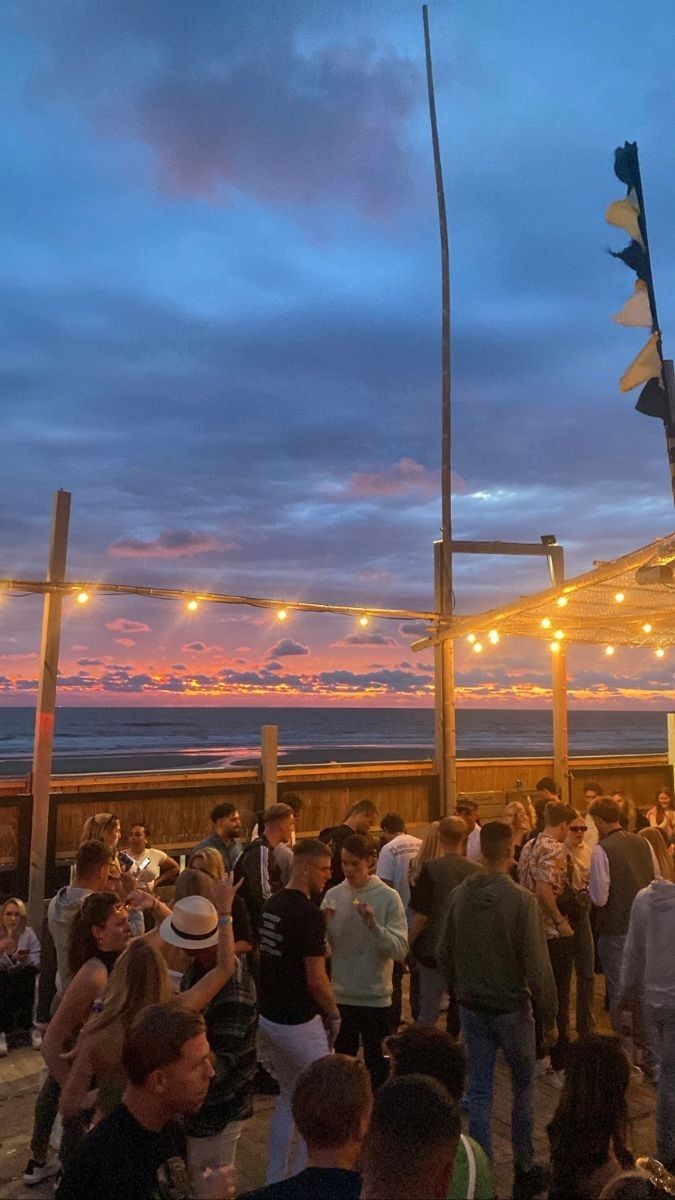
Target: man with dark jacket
pixel 258 866
pixel 359 819
pixel 429 897
pixel 493 949
pixel 621 865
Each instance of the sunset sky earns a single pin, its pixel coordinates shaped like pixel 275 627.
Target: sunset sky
pixel 220 332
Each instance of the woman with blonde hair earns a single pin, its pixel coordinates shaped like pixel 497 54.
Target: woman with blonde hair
pixel 430 849
pixel 522 818
pixel 106 827
pixel 208 860
pixel 19 962
pixel 661 851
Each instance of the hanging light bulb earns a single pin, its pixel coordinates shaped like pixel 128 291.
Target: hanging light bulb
pixel 562 601
pixel 471 638
pixel 192 605
pixel 363 621
pixel 609 650
pixel 659 652
pixel 493 637
pixel 555 647
pixel 646 628
pixel 559 635
pixel 477 647
pixel 546 623
pixel 282 614
pixel 82 597
pixel 619 597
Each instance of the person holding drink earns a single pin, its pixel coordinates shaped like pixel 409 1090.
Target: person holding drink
pixel 19 962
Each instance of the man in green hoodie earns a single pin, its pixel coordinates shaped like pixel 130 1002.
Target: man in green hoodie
pixel 493 950
pixel 367 931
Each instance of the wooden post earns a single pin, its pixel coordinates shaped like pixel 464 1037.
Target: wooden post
pixel 46 703
pixel 671 740
pixel 445 738
pixel 268 763
pixel 559 690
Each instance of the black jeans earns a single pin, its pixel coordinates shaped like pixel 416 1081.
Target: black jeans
pixel 370 1026
pixel 17 993
pixel 561 954
pixel 397 994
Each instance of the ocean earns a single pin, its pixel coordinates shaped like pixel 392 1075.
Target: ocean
pixel 135 739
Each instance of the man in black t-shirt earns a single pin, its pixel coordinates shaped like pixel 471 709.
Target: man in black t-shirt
pixel 359 819
pixel 138 1152
pixel 299 1016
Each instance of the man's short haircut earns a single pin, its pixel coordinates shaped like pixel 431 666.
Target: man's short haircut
pixel 593 787
pixel 393 823
pixel 495 839
pixel 277 812
pixel 451 830
pixel 294 801
pixel 358 846
pixel 225 809
pixel 156 1039
pixel 362 806
pixel 466 805
pixel 91 856
pixel 547 784
pixel 556 812
pixel 606 809
pixel 331 1097
pixel 310 848
pixel 425 1050
pixel 414 1120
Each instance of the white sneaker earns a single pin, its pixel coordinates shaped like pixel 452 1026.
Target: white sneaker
pixel 541 1066
pixel 36 1039
pixel 4 1048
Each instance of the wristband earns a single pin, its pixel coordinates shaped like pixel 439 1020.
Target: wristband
pixel 225 919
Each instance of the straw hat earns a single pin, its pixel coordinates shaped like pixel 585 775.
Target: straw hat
pixel 193 924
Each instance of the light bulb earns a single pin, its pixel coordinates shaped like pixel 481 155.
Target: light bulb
pixel 559 635
pixel 82 597
pixel 546 623
pixel 477 647
pixel 619 597
pixel 282 614
pixel 493 637
pixel 471 638
pixel 609 650
pixel 192 605
pixel 555 647
pixel 646 628
pixel 562 601
pixel 659 652
pixel 363 621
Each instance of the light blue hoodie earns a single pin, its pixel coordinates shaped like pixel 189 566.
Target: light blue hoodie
pixel 648 965
pixel 362 959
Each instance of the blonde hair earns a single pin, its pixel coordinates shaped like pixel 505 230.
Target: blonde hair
pixel 23 914
pixel 193 882
pixel 430 849
pixel 658 844
pixel 97 826
pixel 524 811
pixel 213 862
pixel 139 978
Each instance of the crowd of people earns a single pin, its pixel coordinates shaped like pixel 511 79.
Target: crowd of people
pixel 278 965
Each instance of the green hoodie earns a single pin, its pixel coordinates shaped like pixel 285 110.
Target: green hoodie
pixel 493 949
pixel 362 958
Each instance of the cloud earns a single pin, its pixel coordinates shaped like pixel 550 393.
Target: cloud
pixel 367 639
pixel 287 647
pixel 197 647
pixel 413 628
pixel 172 543
pixel 90 662
pixel 124 641
pixel 178 667
pixel 123 625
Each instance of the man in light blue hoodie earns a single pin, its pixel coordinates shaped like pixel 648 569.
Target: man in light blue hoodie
pixel 648 980
pixel 367 931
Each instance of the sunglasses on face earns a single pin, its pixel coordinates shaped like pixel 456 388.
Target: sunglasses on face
pixel 578 828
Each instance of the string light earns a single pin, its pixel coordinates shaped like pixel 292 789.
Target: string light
pixel 477 647
pixel 282 614
pixel 659 652
pixel 619 597
pixel 192 605
pixel 562 601
pixel 559 635
pixel 646 628
pixel 363 621
pixel 555 647
pixel 493 637
pixel 546 623
pixel 471 638
pixel 82 597
pixel 609 650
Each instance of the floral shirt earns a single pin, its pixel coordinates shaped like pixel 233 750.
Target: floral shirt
pixel 544 860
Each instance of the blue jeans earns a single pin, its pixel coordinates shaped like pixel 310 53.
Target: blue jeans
pixel 513 1034
pixel 662 1021
pixel 610 952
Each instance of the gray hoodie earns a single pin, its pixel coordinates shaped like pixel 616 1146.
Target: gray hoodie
pixel 60 916
pixel 648 964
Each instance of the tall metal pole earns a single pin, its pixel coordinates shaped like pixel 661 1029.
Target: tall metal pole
pixel 561 772
pixel 46 703
pixel 446 751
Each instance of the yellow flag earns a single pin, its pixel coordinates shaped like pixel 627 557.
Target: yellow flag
pixel 646 366
pixel 624 215
pixel 636 311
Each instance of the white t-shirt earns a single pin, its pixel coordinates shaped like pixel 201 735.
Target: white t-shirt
pixel 394 860
pixel 150 874
pixel 473 846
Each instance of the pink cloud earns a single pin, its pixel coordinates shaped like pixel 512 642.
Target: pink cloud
pixel 122 625
pixel 405 478
pixel 124 641
pixel 172 543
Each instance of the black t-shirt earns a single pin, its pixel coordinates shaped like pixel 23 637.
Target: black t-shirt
pixel 121 1160
pixel 314 1183
pixel 335 836
pixel 291 929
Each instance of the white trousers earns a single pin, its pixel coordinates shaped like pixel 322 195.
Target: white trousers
pixel 285 1051
pixel 217 1151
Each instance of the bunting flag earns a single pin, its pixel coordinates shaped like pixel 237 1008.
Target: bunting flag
pixel 624 214
pixel 646 365
pixel 636 311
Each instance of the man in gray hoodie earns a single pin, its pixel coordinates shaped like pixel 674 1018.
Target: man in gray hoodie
pixel 91 875
pixel 492 948
pixel 648 982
